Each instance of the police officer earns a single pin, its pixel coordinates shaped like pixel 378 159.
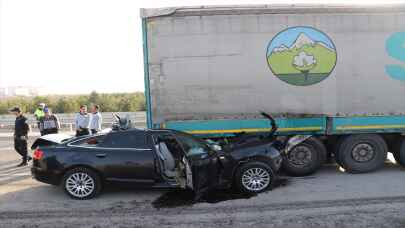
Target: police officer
pixel 82 121
pixel 95 119
pixel 49 124
pixel 39 113
pixel 21 135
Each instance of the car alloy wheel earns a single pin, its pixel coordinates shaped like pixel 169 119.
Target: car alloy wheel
pixel 255 179
pixel 80 185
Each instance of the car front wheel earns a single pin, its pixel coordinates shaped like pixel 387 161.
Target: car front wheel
pixel 254 177
pixel 81 183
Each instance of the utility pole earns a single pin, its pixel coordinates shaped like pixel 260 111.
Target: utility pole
pixel 1 20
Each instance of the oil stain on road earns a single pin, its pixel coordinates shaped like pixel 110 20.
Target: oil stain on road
pixel 181 198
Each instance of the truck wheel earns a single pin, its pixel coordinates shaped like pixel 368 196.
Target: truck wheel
pixel 254 177
pixel 305 158
pixel 337 148
pixel 399 152
pixel 362 153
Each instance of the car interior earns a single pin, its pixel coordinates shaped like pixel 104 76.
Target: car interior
pixel 169 154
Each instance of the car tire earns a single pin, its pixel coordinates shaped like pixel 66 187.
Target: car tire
pixel 254 177
pixel 399 152
pixel 362 153
pixel 315 155
pixel 81 183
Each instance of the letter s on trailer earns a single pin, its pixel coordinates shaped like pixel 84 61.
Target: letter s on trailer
pixel 335 72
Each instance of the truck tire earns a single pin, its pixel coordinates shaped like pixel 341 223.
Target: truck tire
pixel 362 153
pixel 305 158
pixel 399 152
pixel 337 148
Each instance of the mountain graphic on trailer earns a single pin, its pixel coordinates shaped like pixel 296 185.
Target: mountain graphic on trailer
pixel 304 62
pixel 281 58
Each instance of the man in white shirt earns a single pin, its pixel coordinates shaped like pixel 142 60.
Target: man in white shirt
pixel 82 121
pixel 95 120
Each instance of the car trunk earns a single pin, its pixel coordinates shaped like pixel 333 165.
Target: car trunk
pixel 51 139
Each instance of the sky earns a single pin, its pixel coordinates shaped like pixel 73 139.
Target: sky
pixel 79 46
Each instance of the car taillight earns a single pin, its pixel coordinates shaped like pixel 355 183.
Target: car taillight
pixel 38 154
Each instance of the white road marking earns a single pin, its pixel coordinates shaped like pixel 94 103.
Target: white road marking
pixel 15 174
pixel 13 177
pixel 6 148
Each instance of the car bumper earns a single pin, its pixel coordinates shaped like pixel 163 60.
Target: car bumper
pixel 277 162
pixel 44 176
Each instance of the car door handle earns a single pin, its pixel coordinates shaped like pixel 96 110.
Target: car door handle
pixel 101 155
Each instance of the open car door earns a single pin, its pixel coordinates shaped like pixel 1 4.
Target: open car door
pixel 201 164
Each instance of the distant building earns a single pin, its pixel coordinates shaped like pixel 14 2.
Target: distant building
pixel 3 92
pixel 18 91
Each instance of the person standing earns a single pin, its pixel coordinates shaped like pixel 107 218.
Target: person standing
pixel 82 121
pixel 39 113
pixel 49 123
pixel 95 120
pixel 21 130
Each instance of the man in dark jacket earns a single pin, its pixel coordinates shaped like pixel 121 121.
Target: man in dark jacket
pixel 21 135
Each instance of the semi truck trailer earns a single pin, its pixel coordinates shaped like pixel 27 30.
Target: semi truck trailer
pixel 333 73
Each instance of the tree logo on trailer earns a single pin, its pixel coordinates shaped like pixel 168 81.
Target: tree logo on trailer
pixel 301 56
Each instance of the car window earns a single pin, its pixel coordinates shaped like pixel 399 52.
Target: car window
pixel 126 139
pixel 192 146
pixel 90 142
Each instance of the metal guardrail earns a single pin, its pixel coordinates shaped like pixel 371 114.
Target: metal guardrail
pixel 67 120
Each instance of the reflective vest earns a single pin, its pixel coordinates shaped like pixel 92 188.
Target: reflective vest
pixel 39 113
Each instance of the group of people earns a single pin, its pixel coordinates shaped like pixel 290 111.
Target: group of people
pixel 48 123
pixel 88 124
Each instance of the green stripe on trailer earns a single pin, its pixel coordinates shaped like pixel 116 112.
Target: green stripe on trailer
pixel 367 124
pixel 220 128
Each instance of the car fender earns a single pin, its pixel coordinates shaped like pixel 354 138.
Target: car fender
pixel 259 158
pixel 73 166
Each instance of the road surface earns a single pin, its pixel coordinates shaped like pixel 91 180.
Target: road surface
pixel 330 198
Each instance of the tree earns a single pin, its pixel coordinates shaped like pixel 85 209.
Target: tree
pixel 65 105
pixel 113 102
pixel 304 63
pixel 94 98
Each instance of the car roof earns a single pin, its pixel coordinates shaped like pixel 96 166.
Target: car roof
pixel 149 130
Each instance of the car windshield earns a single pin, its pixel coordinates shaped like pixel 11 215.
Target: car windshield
pixel 192 146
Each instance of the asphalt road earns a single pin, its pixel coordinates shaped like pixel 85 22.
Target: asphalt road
pixel 330 198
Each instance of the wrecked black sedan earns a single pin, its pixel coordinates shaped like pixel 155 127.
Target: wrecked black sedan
pixel 155 159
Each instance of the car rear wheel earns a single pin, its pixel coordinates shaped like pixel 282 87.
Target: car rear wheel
pixel 254 177
pixel 81 183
